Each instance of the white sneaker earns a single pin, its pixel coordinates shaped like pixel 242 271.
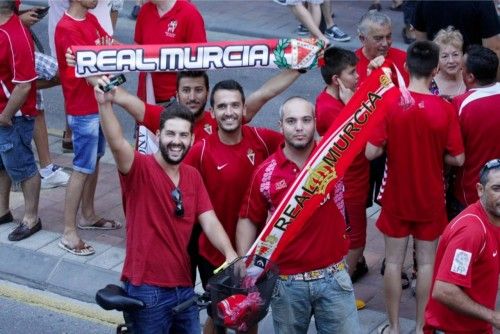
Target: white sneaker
pixel 58 178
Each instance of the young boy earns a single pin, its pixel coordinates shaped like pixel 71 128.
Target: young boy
pixel 418 141
pixel 341 78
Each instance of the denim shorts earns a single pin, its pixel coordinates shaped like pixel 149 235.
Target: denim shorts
pixel 330 300
pixel 88 142
pixel 157 316
pixel 17 157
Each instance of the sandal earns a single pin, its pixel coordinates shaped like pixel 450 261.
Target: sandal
pixel 405 281
pixel 102 224
pixel 381 329
pixel 82 249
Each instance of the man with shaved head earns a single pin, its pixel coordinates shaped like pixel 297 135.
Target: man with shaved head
pixel 314 259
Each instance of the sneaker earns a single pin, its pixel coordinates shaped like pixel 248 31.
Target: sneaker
pixel 337 34
pixel 58 178
pixel 280 2
pixel 302 30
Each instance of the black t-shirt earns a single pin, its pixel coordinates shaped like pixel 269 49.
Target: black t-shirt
pixel 474 19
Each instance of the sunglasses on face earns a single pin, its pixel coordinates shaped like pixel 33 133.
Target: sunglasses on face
pixel 179 207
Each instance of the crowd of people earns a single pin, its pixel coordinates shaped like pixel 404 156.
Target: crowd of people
pixel 433 166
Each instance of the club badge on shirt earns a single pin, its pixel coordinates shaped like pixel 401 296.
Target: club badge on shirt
pixel 171 29
pixel 208 128
pixel 461 262
pixel 251 156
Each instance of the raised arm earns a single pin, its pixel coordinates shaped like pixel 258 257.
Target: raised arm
pixel 121 149
pixel 270 89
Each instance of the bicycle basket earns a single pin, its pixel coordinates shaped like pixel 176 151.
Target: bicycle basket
pixel 235 303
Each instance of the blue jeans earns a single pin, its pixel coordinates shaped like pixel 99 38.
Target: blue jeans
pixel 16 155
pixel 157 316
pixel 88 142
pixel 330 300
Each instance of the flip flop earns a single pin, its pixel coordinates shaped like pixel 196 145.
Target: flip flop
pixel 102 224
pixel 82 249
pixel 381 329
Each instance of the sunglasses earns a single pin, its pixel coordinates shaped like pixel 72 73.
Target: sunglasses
pixel 492 164
pixel 179 207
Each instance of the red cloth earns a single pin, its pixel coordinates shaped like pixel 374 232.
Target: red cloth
pixel 226 171
pixel 181 24
pixel 157 239
pixel 17 63
pixel 416 140
pixel 467 256
pixel 480 123
pixel 203 128
pixel 237 310
pixel 78 94
pixel 397 56
pixel 322 240
pixel 357 177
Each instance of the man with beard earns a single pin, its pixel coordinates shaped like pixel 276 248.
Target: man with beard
pixel 465 281
pixel 163 199
pixel 226 162
pixel 313 275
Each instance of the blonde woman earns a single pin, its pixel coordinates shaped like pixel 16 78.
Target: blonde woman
pixel 448 82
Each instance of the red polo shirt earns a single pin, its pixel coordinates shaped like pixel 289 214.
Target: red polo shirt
pixel 396 55
pixel 17 63
pixel 467 256
pixel 322 240
pixel 181 24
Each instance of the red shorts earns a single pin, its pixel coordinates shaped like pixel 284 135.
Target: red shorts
pixel 422 230
pixel 356 215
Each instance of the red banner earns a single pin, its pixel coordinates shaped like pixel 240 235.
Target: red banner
pixel 272 53
pixel 344 140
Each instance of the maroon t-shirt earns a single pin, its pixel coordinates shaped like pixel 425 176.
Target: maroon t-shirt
pixel 157 239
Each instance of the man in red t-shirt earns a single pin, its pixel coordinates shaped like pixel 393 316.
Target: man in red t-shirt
pixel 17 112
pixel 465 282
pixel 419 139
pixel 227 160
pixel 479 122
pixel 79 27
pixel 339 74
pixel 166 22
pixel 320 246
pixel 160 218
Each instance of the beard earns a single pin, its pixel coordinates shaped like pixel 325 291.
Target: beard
pixel 299 145
pixel 173 161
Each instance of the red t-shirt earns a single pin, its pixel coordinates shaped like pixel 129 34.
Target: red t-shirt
pixel 157 239
pixel 203 128
pixel 357 176
pixel 397 56
pixel 467 256
pixel 417 139
pixel 181 24
pixel 226 171
pixel 17 63
pixel 78 94
pixel 322 240
pixel 480 123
